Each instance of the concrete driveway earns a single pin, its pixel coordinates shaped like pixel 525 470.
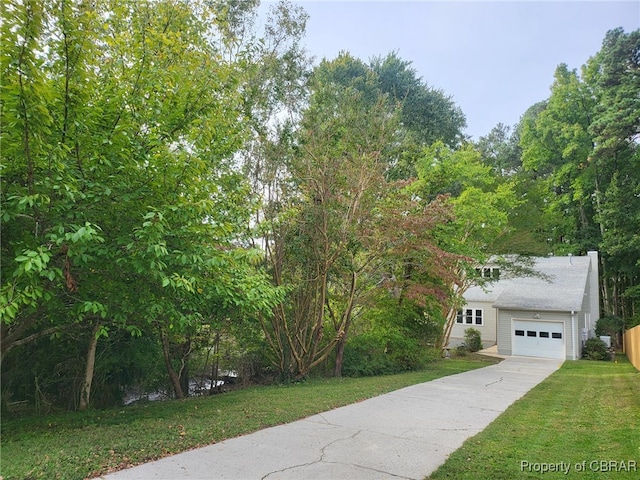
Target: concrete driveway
pixel 405 434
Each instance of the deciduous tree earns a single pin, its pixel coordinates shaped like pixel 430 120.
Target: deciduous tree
pixel 120 203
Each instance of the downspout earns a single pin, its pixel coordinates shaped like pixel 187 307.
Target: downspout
pixel 497 316
pixel 573 334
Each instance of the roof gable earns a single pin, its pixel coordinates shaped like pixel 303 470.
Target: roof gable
pixel 562 289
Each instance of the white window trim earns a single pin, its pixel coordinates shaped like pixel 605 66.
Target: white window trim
pixel 488 272
pixel 470 313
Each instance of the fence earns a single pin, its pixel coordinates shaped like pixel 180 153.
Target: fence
pixel 632 345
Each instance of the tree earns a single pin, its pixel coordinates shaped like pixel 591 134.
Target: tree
pixel 613 73
pixel 120 203
pixel 336 174
pixel 500 149
pixel 556 145
pixel 342 228
pixel 427 112
pixel 582 146
pixel 481 205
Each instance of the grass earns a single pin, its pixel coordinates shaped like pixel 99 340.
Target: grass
pixel 84 445
pixel 585 413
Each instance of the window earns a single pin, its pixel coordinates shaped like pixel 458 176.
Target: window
pixel 488 272
pixel 531 333
pixel 519 333
pixel 556 335
pixel 469 316
pixel 544 334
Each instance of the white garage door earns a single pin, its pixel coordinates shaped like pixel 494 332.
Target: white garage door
pixel 538 339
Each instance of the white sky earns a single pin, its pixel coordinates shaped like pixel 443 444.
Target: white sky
pixel 495 59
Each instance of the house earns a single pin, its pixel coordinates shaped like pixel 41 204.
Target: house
pixel 548 315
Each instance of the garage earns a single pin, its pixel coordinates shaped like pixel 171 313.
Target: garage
pixel 538 339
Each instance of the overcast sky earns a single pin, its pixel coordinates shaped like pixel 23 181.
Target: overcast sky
pixel 495 59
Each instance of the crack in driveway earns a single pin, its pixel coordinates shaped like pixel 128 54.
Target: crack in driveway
pixel 322 460
pixel 497 381
pixel 322 454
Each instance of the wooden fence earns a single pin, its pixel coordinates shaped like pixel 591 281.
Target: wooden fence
pixel 632 345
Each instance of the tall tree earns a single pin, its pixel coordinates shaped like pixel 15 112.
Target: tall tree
pixel 583 145
pixel 337 176
pixel 481 203
pixel 614 74
pixel 500 149
pixel 119 196
pixel 427 113
pixel 556 144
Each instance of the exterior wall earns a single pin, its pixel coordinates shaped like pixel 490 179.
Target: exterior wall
pixel 590 311
pixel 586 322
pixel 591 302
pixel 574 340
pixel 487 329
pixel 583 331
pixel 505 318
pixel 593 292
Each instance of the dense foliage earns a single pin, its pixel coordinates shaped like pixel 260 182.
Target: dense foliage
pixel 472 339
pixel 122 212
pixel 580 148
pixel 596 349
pixel 184 194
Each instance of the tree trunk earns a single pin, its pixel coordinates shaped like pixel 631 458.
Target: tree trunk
pixel 184 379
pixel 183 374
pixel 11 335
pixel 452 313
pixel 345 325
pixel 215 374
pixel 337 369
pixel 85 392
pixel 173 376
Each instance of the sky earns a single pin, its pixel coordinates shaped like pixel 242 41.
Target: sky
pixel 495 59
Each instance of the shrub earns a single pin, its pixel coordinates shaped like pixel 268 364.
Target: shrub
pixel 461 350
pixel 472 339
pixel 631 322
pixel 365 355
pixel 384 351
pixel 610 325
pixel 595 349
pixel 392 337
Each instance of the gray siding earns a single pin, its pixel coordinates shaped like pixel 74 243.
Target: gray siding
pixel 593 292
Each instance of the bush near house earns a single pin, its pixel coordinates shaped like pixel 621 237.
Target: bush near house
pixel 613 326
pixel 472 339
pixel 596 349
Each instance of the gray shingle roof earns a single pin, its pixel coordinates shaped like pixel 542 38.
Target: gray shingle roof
pixel 562 290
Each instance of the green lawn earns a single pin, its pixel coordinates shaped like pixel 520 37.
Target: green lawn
pixel 79 445
pixel 584 414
